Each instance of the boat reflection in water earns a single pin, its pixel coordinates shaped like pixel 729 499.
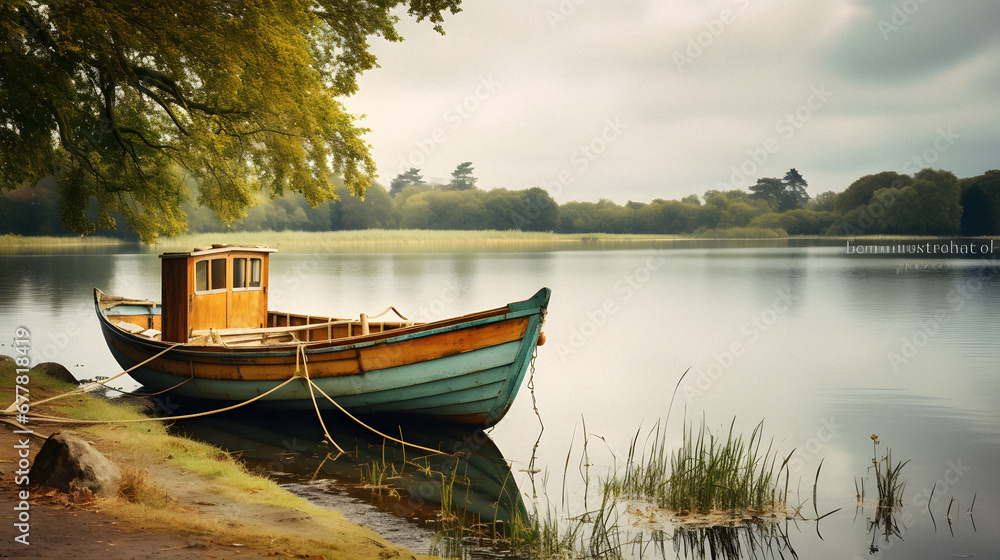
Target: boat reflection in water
pixel 472 481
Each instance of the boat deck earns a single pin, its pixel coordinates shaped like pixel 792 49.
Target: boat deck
pixel 143 318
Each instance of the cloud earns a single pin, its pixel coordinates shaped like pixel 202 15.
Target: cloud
pixel 699 88
pixel 901 41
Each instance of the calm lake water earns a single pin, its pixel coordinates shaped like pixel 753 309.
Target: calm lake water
pixel 825 347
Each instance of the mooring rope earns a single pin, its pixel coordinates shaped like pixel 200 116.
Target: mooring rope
pixel 352 417
pixel 300 357
pixel 301 351
pixel 313 385
pixel 94 385
pixel 135 394
pixel 388 309
pixel 63 420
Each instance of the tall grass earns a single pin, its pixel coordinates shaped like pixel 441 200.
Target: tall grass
pixel 707 473
pixel 743 233
pixel 888 481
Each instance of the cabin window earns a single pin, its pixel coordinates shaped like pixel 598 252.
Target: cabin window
pixel 246 273
pixel 239 273
pixel 201 276
pixel 210 275
pixel 254 273
pixel 218 277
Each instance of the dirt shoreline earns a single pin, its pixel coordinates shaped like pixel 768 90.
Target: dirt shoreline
pixel 217 523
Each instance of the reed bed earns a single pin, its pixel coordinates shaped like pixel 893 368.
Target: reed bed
pixel 707 473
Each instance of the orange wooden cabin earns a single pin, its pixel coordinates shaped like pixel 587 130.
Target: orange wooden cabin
pixel 218 287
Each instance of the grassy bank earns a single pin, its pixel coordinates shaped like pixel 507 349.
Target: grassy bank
pixel 17 243
pixel 418 240
pixel 179 486
pixel 376 240
pixel 401 241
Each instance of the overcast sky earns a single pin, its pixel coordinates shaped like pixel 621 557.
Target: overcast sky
pixel 661 99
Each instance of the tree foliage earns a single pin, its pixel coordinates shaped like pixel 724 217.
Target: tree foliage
pixel 462 178
pixel 783 194
pixel 860 192
pixel 932 202
pixel 929 203
pixel 405 179
pixel 121 101
pixel 980 200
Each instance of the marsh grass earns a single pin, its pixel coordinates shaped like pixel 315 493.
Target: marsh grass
pixel 888 481
pixel 378 473
pixel 542 535
pixel 890 487
pixel 707 473
pixel 734 478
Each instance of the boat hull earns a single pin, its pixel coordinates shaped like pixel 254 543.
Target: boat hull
pixel 465 370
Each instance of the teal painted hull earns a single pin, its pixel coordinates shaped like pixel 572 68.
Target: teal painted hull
pixel 486 358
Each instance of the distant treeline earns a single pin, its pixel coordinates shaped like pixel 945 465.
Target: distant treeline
pixel 931 202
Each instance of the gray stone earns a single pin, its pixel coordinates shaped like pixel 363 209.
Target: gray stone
pixel 67 462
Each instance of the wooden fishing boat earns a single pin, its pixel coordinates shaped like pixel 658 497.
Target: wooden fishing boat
pixel 213 338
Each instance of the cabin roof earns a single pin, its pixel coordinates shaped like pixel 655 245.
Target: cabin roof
pixel 218 248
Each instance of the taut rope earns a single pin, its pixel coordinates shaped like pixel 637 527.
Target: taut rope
pixel 349 415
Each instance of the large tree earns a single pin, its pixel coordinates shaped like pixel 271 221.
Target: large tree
pixel 405 179
pixel 783 194
pixel 860 192
pixel 462 178
pixel 121 100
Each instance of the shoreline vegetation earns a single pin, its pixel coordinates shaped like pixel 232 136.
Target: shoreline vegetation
pixel 929 203
pixel 378 240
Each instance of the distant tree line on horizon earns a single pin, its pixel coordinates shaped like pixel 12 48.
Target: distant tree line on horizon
pixel 931 202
